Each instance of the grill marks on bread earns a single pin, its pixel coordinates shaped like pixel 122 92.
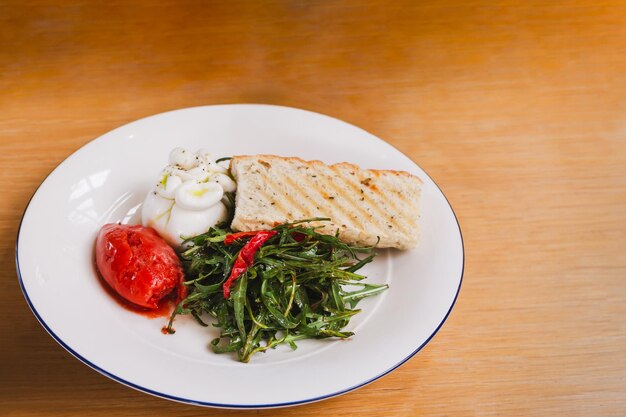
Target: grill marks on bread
pixel 363 205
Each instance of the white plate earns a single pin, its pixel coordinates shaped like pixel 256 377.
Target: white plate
pixel 106 180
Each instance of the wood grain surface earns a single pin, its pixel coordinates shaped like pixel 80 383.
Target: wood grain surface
pixel 516 109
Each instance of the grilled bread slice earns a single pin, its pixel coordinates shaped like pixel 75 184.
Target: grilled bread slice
pixel 363 205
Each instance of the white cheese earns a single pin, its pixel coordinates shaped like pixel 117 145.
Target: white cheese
pixel 189 197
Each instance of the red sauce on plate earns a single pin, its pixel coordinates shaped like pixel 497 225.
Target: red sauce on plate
pixel 164 309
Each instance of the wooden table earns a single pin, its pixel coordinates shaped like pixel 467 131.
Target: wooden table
pixel 517 110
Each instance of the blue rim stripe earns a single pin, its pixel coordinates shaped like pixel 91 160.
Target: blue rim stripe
pixel 235 406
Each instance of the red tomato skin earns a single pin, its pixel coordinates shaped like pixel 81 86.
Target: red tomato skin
pixel 138 264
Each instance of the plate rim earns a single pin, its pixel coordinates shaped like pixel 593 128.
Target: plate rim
pixel 212 404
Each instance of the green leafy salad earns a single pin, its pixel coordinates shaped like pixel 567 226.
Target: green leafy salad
pixel 272 287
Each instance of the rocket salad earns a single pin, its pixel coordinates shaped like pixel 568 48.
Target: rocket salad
pixel 272 287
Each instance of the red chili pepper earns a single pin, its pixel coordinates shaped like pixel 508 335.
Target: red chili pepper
pixel 245 258
pixel 231 238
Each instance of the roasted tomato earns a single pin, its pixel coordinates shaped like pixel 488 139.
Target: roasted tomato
pixel 138 264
